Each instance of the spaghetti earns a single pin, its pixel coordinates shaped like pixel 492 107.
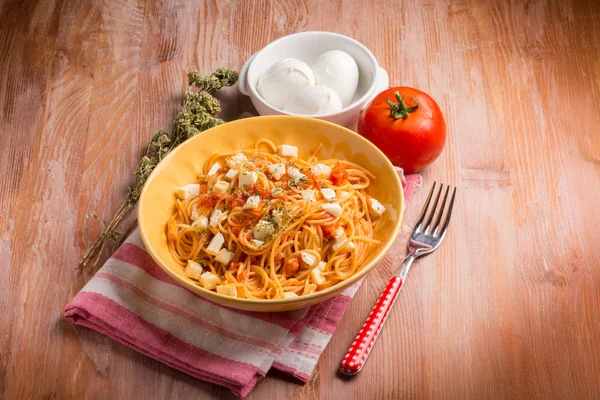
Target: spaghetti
pixel 264 224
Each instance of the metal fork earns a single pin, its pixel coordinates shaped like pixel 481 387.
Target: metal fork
pixel 424 240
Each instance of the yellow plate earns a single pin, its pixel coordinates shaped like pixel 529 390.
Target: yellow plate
pixel 182 165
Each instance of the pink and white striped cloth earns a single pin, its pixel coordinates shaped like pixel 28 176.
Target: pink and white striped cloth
pixel 132 300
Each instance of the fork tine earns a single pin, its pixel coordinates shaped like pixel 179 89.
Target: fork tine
pixel 448 214
pixel 424 210
pixel 434 208
pixel 441 212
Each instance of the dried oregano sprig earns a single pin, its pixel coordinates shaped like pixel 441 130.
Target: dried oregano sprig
pixel 199 113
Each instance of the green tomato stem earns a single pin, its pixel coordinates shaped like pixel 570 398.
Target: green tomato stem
pixel 400 109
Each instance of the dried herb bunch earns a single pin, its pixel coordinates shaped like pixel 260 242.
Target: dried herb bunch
pixel 200 109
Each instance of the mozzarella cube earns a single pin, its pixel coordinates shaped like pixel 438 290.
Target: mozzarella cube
pixel 293 171
pixel 187 191
pixel 215 244
pixel 252 202
pixel 308 195
pixel 289 295
pixel 321 265
pixel 297 180
pixel 295 175
pixel 247 178
pixel 341 241
pixel 277 216
pixel 316 275
pixel 337 245
pixel 263 230
pixel 221 186
pixel 195 214
pixel 209 281
pixel 213 170
pixel 231 174
pixel 320 169
pixel 224 257
pixel 349 246
pixel 339 235
pixel 377 209
pixel 276 192
pixel 200 224
pixel 288 151
pixel 193 270
pixel 277 171
pixel 308 258
pixel 214 218
pixel 328 193
pixel 344 194
pixel 227 290
pixel 333 208
pixel 236 160
pixel 344 247
pixel 257 243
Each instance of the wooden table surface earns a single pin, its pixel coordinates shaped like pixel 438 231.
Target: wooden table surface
pixel 508 307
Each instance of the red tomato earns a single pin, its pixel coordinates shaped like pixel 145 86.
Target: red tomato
pixel 407 125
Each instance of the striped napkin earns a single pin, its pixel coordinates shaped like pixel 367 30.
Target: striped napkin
pixel 133 301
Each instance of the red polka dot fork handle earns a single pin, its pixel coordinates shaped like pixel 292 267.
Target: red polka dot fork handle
pixel 361 346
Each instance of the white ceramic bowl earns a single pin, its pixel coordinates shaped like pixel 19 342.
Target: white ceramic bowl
pixel 307 47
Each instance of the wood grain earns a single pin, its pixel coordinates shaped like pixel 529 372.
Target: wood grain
pixel 508 307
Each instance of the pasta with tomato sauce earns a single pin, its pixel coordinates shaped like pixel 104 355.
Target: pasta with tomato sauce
pixel 262 223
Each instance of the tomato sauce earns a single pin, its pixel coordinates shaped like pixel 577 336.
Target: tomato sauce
pixel 209 200
pixel 255 212
pixel 329 230
pixel 291 266
pixel 338 174
pixel 312 179
pixel 258 189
